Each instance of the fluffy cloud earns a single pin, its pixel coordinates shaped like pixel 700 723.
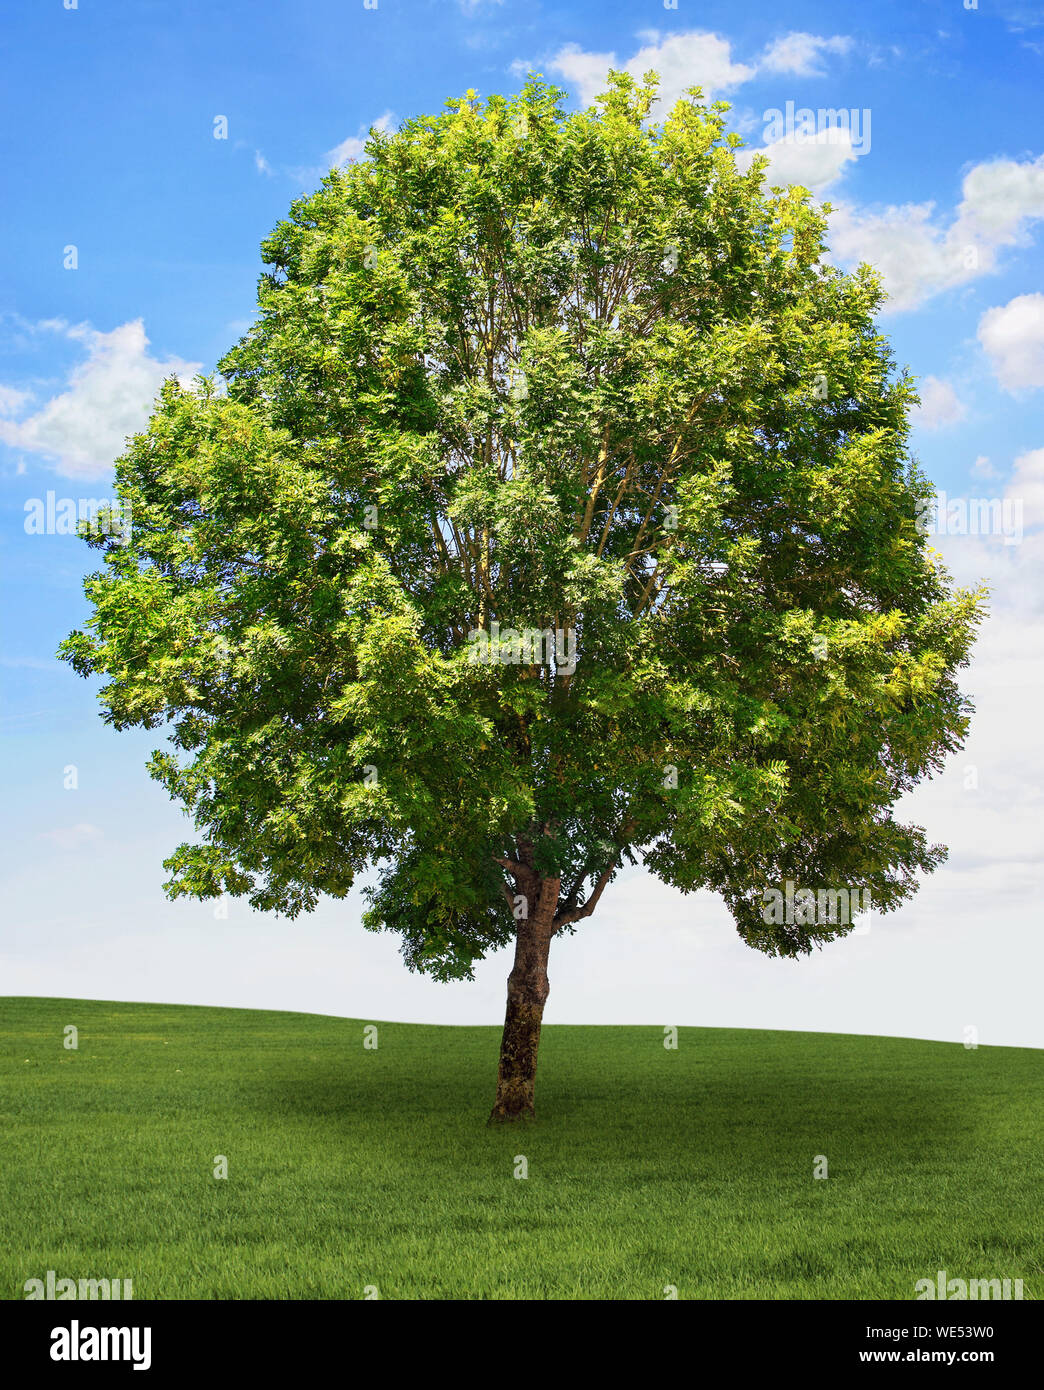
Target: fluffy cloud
pixel 694 59
pixel 583 70
pixel 799 54
pixel 912 254
pixel 940 405
pixel 814 161
pixel 1027 486
pixel 697 58
pixel 1001 196
pixel 919 256
pixel 107 397
pixel 1012 336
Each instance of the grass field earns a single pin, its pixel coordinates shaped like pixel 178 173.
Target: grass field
pixel 647 1168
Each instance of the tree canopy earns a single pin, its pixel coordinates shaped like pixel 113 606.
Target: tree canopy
pixel 582 384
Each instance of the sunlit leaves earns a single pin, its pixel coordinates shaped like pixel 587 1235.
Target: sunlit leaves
pixel 567 373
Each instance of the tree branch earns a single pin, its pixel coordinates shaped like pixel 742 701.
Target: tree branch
pixel 577 912
pixel 573 914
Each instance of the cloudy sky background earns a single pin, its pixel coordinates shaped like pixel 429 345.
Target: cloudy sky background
pixel 109 149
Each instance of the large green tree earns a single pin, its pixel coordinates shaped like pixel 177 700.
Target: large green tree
pixel 555 513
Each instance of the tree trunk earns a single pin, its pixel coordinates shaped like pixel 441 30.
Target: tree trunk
pixel 526 995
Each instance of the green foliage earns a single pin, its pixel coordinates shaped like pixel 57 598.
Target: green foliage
pixel 566 372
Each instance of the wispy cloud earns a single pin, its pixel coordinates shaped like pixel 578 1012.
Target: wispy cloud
pixel 353 147
pixel 12 400
pixel 73 837
pixel 801 54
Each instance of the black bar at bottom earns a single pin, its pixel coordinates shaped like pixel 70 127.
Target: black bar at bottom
pixel 66 1340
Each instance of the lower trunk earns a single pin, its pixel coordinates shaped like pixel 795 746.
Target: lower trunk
pixel 527 994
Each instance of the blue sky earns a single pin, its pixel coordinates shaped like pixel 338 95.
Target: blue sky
pixel 109 148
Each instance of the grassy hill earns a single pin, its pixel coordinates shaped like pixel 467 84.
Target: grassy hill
pixel 350 1168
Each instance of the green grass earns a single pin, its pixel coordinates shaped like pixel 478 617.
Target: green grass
pixel 647 1167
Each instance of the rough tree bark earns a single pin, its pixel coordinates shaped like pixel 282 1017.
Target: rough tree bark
pixel 527 990
pixel 547 911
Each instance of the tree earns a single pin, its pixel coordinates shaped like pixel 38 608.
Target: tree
pixel 556 513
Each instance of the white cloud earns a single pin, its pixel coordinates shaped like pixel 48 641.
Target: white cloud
pixel 583 70
pixel 107 397
pixel 696 58
pixel 12 400
pixel 983 468
pixel 919 256
pixel 914 260
pixel 353 147
pixel 469 7
pixel 261 164
pixel 693 59
pixel 814 161
pixel 1027 485
pixel 799 54
pixel 940 405
pixel 73 836
pixel 1012 336
pixel 1000 197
